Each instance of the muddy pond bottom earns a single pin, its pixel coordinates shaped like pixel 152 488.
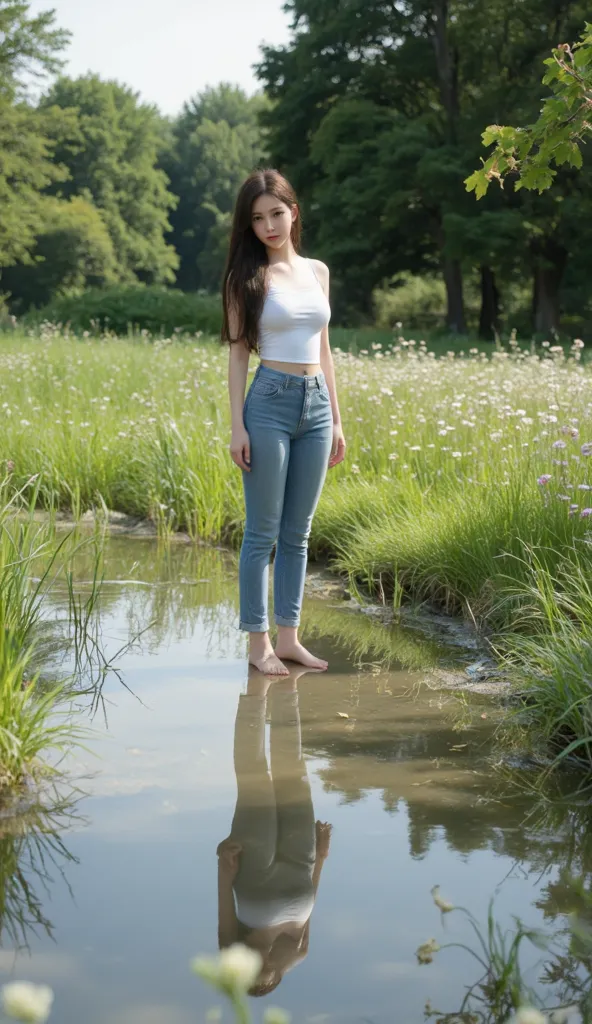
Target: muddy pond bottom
pixel 350 794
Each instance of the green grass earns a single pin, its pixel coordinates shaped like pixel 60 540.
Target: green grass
pixel 35 714
pixel 438 499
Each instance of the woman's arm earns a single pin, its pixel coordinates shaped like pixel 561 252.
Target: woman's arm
pixel 338 446
pixel 323 832
pixel 227 920
pixel 238 368
pixel 228 864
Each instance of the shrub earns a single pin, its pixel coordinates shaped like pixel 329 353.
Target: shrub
pixel 419 302
pixel 143 307
pixel 410 299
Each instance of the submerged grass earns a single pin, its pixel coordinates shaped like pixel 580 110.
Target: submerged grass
pixel 466 481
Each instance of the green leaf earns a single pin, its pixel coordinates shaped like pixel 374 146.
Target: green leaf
pixel 478 183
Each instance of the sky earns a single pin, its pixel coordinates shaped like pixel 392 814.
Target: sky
pixel 168 50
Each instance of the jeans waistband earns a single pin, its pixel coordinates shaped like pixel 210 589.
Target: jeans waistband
pixel 291 380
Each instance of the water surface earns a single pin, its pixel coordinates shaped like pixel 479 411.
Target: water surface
pixel 404 775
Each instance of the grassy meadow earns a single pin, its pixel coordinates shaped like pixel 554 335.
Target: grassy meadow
pixel 467 481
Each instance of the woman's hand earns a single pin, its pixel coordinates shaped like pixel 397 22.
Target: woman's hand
pixel 323 833
pixel 338 446
pixel 240 448
pixel 229 858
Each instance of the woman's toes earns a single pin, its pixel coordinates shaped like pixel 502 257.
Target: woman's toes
pixel 270 665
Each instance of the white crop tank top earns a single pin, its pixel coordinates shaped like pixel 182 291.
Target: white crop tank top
pixel 291 323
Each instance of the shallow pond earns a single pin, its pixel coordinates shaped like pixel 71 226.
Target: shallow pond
pixel 111 905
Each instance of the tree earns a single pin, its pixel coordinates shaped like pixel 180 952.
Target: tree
pixel 217 143
pixel 556 225
pixel 111 152
pixel 428 71
pixel 28 45
pixel 27 166
pixel 555 137
pixel 399 59
pixel 73 251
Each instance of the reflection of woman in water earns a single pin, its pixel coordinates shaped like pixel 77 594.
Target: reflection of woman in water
pixel 270 865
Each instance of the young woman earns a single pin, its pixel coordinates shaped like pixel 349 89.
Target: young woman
pixel 288 430
pixel 269 868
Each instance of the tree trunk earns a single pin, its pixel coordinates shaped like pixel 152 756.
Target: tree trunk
pixel 447 67
pixel 455 312
pixel 549 267
pixel 489 322
pixel 447 70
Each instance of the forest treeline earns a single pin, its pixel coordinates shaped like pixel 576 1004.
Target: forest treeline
pixel 374 110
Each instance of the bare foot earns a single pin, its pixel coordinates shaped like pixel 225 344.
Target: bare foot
pixel 296 652
pixel 268 663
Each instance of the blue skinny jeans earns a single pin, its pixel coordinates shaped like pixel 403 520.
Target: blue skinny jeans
pixel 290 426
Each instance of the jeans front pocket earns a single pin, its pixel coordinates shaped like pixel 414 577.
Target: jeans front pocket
pixel 266 388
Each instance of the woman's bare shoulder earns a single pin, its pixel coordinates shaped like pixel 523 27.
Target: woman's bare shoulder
pixel 321 270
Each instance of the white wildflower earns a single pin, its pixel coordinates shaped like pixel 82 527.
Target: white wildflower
pixel 528 1015
pixel 25 1001
pixel 441 903
pixel 425 952
pixel 235 968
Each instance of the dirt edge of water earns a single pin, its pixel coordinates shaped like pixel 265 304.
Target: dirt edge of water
pixel 481 676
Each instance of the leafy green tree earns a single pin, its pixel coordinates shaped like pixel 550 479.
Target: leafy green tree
pixel 111 152
pixel 29 46
pixel 217 142
pixel 402 63
pixel 428 71
pixel 27 167
pixel 555 137
pixel 73 251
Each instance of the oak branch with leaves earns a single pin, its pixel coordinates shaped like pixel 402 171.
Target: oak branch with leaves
pixel 528 154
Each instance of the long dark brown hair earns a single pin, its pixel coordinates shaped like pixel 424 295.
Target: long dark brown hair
pixel 245 277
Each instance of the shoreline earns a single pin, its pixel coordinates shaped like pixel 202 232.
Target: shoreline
pixel 482 675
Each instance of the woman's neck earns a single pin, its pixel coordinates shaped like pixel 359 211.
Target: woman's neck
pixel 286 254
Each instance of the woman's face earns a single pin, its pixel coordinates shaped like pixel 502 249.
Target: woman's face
pixel 272 220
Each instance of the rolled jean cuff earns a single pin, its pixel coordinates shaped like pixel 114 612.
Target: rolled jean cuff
pixel 281 621
pixel 254 627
